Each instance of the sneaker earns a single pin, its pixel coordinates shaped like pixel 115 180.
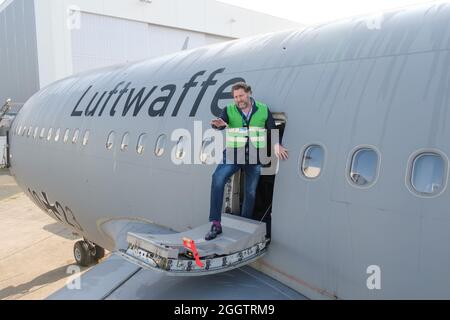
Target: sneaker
pixel 213 233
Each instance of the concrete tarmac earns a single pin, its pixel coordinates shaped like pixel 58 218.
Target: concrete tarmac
pixel 35 250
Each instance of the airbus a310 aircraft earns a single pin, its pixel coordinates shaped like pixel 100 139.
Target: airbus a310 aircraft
pixel 362 105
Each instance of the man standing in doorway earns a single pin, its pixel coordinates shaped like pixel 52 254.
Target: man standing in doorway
pixel 246 121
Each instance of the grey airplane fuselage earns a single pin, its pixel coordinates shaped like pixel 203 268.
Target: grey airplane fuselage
pixel 343 86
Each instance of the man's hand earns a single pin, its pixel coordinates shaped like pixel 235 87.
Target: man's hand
pixel 219 123
pixel 281 152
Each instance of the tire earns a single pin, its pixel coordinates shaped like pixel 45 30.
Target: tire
pixel 99 253
pixel 82 254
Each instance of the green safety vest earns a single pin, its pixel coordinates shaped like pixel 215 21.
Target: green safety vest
pixel 237 133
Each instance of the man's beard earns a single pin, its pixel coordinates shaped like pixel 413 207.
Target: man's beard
pixel 243 105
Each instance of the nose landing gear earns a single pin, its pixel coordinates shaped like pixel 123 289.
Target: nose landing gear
pixel 87 253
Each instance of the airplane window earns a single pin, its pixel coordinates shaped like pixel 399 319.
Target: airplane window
pixel 86 138
pixel 160 145
pixel 364 167
pixel 110 141
pixel 24 131
pixel 36 130
pixel 66 135
pixel 205 151
pixel 428 173
pixel 125 142
pixel 312 163
pixel 141 143
pixel 19 129
pixel 76 135
pixel 42 134
pixel 57 134
pixel 49 134
pixel 30 130
pixel 179 152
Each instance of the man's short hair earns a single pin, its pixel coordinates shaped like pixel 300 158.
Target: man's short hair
pixel 241 85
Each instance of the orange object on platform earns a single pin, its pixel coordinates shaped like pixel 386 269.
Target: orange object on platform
pixel 190 244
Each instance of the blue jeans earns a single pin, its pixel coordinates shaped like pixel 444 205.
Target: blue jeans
pixel 219 179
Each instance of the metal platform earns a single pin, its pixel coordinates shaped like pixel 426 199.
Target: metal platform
pixel 241 242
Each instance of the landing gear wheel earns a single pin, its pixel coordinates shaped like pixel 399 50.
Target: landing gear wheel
pixel 99 253
pixel 82 253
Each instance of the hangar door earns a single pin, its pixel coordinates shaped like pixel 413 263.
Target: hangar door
pixel 102 41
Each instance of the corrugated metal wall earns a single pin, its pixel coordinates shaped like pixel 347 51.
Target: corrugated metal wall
pixel 103 40
pixel 19 72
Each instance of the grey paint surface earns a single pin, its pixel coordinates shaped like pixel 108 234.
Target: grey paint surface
pixel 99 282
pixel 19 72
pixel 116 278
pixel 341 85
pixel 240 284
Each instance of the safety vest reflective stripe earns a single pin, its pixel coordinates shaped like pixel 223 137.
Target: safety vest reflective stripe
pixel 238 134
pixel 257 130
pixel 237 137
pixel 258 137
pixel 238 130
